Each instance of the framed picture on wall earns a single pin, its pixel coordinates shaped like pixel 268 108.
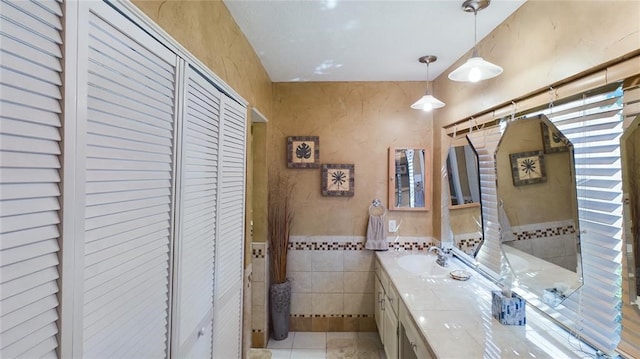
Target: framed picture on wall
pixel 553 140
pixel 527 168
pixel 338 180
pixel 303 152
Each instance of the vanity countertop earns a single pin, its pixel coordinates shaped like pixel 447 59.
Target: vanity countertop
pixel 455 317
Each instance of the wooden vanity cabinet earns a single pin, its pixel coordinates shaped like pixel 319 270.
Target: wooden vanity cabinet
pixel 399 334
pixel 386 312
pixel 379 307
pixel 411 344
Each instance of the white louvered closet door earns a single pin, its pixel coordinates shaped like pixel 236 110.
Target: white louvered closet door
pixel 227 320
pixel 30 115
pixel 129 166
pixel 197 198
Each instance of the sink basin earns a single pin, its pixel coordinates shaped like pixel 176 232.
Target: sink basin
pixel 423 265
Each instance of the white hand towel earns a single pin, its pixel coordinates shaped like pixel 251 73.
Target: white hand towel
pixel 376 239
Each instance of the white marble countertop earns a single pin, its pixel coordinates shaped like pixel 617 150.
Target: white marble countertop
pixel 455 316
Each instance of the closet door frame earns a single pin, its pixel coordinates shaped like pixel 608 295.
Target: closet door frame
pixel 73 199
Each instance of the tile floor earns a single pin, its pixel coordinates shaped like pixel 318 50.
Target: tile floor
pixel 329 345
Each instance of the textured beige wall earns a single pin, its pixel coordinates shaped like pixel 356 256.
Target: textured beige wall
pixel 357 122
pixel 465 220
pixel 544 42
pixel 208 31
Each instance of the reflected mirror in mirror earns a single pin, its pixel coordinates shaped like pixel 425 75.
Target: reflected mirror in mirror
pixel 630 152
pixel 408 180
pixel 537 209
pixel 464 196
pixel 462 170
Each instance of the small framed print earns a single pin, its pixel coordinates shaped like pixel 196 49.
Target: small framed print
pixel 337 180
pixel 553 140
pixel 303 152
pixel 527 168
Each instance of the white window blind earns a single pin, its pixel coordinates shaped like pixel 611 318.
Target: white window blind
pixel 198 180
pixel 593 123
pixel 485 143
pixel 30 112
pixel 129 164
pixel 227 324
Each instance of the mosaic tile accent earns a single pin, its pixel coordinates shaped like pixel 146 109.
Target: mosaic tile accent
pixel 332 315
pixel 257 253
pixel 468 245
pixel 352 246
pixel 544 232
pixel 257 330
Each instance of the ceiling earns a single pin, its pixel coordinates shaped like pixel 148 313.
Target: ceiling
pixel 362 40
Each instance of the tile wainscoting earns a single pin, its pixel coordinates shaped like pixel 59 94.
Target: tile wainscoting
pixel 332 281
pixel 554 242
pixel 259 292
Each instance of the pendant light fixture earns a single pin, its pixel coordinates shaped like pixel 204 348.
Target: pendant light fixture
pixel 476 68
pixel 427 102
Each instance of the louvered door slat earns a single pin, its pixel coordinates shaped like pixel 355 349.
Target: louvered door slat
pixel 159 128
pixel 30 109
pixel 133 279
pixel 128 161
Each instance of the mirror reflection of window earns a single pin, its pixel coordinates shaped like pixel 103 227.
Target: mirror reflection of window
pixel 630 151
pixel 464 217
pixel 407 178
pixel 462 169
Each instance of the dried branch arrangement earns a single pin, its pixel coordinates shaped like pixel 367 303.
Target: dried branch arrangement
pixel 279 221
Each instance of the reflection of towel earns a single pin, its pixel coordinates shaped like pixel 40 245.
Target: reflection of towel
pixel 375 234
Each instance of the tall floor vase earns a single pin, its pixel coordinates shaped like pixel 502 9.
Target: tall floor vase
pixel 280 303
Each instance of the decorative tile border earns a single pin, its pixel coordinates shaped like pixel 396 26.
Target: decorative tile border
pixel 520 234
pixel 351 246
pixel 331 315
pixel 257 253
pixel 257 331
pixel 468 245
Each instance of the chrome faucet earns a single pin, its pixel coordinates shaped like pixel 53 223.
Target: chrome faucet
pixel 443 259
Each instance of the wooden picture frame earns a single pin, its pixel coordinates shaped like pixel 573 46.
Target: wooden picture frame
pixel 338 180
pixel 528 168
pixel 552 140
pixel 303 152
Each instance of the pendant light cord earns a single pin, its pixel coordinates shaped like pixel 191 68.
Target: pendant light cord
pixel 475 32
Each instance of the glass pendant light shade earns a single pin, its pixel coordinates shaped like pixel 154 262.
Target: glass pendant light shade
pixel 427 102
pixel 474 70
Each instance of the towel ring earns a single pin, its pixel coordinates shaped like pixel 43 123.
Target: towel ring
pixel 377 209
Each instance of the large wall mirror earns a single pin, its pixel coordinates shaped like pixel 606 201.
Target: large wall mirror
pixel 409 182
pixel 463 196
pixel 537 209
pixel 630 152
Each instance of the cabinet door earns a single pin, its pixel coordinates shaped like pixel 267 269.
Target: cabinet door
pixel 390 331
pixel 379 308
